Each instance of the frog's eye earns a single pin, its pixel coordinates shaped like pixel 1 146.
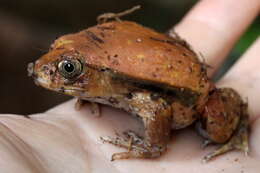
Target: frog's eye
pixel 70 68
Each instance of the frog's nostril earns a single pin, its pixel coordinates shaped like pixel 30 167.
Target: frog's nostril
pixel 30 69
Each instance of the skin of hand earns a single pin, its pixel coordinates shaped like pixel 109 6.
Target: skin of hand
pixel 65 140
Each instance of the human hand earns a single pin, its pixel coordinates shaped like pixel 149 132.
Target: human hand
pixel 65 140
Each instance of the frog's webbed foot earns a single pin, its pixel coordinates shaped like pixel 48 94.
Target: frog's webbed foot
pixel 94 107
pixel 135 145
pixel 103 18
pixel 239 140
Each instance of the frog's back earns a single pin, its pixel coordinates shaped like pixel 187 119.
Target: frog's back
pixel 140 53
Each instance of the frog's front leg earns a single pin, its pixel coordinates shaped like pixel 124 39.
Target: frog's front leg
pixel 225 121
pixel 94 107
pixel 157 119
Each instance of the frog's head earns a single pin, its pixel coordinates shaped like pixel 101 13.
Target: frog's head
pixel 63 71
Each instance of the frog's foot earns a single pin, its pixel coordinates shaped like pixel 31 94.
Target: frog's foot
pixel 103 18
pixel 94 107
pixel 239 141
pixel 136 146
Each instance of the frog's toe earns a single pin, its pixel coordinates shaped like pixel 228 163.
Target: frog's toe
pixel 117 141
pixel 135 145
pixel 128 140
pixel 139 152
pixel 239 141
pixel 123 155
pixel 133 137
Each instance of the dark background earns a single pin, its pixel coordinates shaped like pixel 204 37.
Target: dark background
pixel 27 28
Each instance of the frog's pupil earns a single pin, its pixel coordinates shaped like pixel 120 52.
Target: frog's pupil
pixel 68 67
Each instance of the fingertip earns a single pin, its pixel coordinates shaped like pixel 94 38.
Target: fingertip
pixel 213 27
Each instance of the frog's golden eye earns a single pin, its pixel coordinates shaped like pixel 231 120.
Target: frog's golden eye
pixel 70 68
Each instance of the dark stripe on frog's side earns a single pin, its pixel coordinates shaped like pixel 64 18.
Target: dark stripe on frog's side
pixel 168 93
pixel 171 94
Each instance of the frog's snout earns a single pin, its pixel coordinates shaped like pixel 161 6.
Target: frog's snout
pixel 30 69
pixel 33 72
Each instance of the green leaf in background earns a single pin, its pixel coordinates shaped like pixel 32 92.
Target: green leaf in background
pixel 243 44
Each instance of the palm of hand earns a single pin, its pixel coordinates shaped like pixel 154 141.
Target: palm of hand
pixel 65 140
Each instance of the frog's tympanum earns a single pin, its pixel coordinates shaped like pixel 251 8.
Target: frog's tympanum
pixel 150 75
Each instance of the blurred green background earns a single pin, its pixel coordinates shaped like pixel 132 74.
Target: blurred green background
pixel 27 28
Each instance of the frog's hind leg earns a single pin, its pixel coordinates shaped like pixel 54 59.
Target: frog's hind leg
pixel 225 121
pixel 238 141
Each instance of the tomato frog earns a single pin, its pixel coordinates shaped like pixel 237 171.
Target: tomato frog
pixel 153 76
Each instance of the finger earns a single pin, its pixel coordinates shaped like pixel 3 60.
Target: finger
pixel 212 27
pixel 244 76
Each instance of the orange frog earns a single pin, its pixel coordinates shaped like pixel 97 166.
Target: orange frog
pixel 157 78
